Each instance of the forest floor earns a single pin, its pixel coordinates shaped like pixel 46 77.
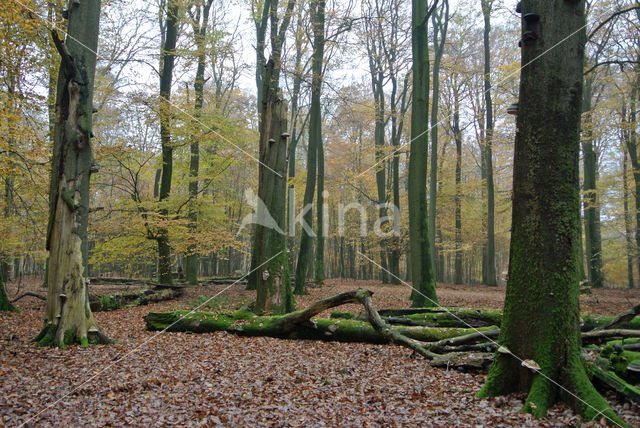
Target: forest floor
pixel 219 379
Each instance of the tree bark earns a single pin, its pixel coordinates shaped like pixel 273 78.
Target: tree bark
pixel 458 273
pixel 627 221
pixel 166 77
pixel 440 24
pixel 68 317
pixel 273 283
pixel 305 254
pixel 193 257
pixel 593 241
pixel 5 304
pixel 541 315
pixel 489 266
pixel 424 287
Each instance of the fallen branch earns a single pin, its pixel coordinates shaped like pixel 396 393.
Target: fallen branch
pixel 459 341
pixel 597 335
pixel 622 318
pixel 29 294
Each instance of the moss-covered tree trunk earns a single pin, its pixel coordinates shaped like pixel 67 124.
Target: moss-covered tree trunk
pixel 68 317
pixel 424 286
pixel 200 30
pixel 166 77
pixel 541 315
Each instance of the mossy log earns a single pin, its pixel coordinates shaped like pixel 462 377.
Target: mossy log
pixel 145 296
pixel 625 364
pixel 606 372
pixel 299 325
pixel 589 322
pixel 435 317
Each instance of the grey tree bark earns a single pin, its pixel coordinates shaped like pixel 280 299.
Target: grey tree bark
pixel 68 317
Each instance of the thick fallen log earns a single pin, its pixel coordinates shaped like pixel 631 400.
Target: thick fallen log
pixel 441 317
pixel 114 280
pixel 299 325
pixel 224 280
pixel 601 335
pixel 589 322
pixel 145 296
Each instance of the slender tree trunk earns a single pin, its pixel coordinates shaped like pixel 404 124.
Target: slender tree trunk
pixel 440 24
pixel 315 141
pixel 68 317
pixel 541 320
pixel 293 144
pixel 489 275
pixel 321 220
pixel 193 257
pixel 318 15
pixel 166 77
pixel 424 287
pixel 627 222
pixel 632 149
pixel 457 133
pixel 593 240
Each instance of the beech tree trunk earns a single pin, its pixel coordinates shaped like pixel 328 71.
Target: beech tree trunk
pixel 440 24
pixel 269 259
pixel 305 253
pixel 457 135
pixel 166 77
pixel 489 265
pixel 593 241
pixel 424 287
pixel 627 221
pixel 318 16
pixel 5 304
pixel 193 257
pixel 541 313
pixel 68 317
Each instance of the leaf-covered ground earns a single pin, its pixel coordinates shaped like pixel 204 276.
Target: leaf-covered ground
pixel 223 380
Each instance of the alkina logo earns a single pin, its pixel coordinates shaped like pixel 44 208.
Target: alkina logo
pixel 262 217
